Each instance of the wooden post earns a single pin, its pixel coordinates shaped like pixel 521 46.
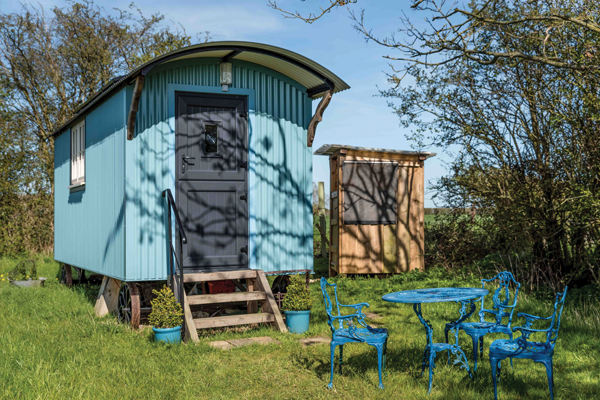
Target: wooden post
pixel 318 117
pixel 135 102
pixel 252 305
pixel 188 319
pixel 322 222
pixel 68 275
pixel 269 306
pixel 107 297
pixel 307 278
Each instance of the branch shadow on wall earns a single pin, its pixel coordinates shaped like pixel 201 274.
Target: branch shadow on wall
pixel 375 209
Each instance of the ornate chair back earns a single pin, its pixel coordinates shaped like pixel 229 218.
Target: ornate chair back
pixel 559 303
pixel 329 304
pixel 502 298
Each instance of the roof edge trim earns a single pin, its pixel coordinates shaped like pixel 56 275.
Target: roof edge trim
pixel 329 149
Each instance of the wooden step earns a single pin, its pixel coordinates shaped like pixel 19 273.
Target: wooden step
pixel 225 298
pixel 229 320
pixel 219 276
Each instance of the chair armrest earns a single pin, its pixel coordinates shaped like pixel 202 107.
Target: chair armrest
pixel 342 317
pixel 351 326
pixel 526 331
pixel 523 329
pixel 355 306
pixel 532 317
pixel 503 306
pixel 359 314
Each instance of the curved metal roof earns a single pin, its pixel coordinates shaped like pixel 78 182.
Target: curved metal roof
pixel 316 78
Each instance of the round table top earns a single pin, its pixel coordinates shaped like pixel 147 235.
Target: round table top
pixel 435 295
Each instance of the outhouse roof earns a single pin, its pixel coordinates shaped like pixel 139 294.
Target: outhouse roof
pixel 329 149
pixel 313 76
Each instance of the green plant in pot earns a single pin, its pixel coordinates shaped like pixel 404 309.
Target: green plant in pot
pixel 297 304
pixel 165 317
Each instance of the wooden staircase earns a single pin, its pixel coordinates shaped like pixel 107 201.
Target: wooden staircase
pixel 257 292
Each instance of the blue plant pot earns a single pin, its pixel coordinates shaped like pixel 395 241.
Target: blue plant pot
pixel 297 321
pixel 167 335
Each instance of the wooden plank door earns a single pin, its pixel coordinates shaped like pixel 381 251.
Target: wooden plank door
pixel 212 189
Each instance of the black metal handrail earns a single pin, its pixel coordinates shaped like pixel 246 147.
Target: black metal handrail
pixel 172 208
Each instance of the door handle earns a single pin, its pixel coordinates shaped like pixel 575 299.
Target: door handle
pixel 244 164
pixel 244 197
pixel 244 249
pixel 186 158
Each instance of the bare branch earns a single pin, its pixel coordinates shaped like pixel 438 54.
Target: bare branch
pixel 311 17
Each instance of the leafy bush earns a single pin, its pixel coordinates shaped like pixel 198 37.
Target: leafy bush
pixel 455 239
pixel 23 271
pixel 166 311
pixel 298 295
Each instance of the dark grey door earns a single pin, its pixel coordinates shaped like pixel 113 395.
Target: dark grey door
pixel 211 169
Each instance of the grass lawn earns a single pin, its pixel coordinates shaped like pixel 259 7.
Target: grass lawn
pixel 53 347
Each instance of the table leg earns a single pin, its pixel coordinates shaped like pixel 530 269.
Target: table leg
pixel 455 348
pixel 452 326
pixel 429 355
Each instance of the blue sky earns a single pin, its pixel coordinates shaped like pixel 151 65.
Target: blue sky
pixel 355 117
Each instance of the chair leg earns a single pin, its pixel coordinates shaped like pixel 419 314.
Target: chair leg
pixel 499 368
pixel 510 335
pixel 341 357
pixel 431 364
pixel 425 358
pixel 481 347
pixel 379 363
pixel 548 365
pixel 494 364
pixel 385 357
pixel 330 386
pixel 446 336
pixel 475 339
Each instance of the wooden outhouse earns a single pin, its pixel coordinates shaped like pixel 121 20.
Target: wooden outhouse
pixel 224 130
pixel 376 209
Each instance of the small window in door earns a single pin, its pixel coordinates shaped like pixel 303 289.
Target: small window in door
pixel 211 138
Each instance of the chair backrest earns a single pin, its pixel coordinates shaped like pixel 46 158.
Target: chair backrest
pixel 502 297
pixel 328 303
pixel 559 303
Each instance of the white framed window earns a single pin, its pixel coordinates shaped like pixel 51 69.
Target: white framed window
pixel 78 154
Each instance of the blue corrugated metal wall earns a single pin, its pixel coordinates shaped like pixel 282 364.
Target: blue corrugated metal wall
pixel 89 225
pixel 280 173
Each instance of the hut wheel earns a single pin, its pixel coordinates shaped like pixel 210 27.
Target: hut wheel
pixel 128 309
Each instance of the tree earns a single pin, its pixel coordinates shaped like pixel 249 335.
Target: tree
pixel 50 63
pixel 54 63
pixel 514 86
pixel 528 156
pixel 567 31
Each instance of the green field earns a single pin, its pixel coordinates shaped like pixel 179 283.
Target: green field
pixel 53 347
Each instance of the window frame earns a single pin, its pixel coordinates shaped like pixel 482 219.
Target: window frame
pixel 77 139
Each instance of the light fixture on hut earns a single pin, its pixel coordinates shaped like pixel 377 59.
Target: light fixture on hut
pixel 226 75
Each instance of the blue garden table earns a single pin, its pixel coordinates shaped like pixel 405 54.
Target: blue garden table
pixel 464 296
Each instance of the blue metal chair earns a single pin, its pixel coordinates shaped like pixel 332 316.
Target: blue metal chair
pixel 540 352
pixel 350 333
pixel 501 309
